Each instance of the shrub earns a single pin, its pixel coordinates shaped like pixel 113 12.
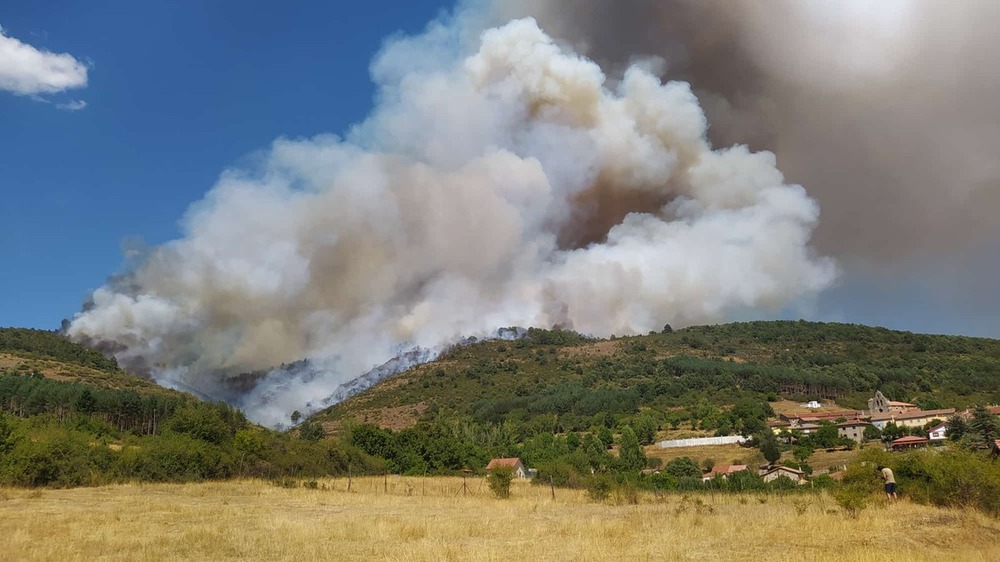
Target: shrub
pixel 499 479
pixel 852 499
pixel 626 493
pixel 599 487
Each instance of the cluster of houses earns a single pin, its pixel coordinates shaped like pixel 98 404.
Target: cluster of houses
pixel 851 424
pixel 767 473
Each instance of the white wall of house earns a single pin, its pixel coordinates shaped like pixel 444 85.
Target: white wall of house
pixel 938 434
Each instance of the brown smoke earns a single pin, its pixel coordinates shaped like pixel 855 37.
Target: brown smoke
pixel 895 138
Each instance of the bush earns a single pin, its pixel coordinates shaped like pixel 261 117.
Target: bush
pixel 683 467
pixel 852 499
pixel 500 479
pixel 559 473
pixel 599 487
pixel 626 493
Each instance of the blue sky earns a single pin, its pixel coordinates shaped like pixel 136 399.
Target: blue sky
pixel 177 92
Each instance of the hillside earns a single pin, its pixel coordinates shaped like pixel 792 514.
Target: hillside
pixel 48 354
pixel 686 378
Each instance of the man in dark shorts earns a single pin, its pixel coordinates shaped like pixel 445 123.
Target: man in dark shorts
pixel 890 481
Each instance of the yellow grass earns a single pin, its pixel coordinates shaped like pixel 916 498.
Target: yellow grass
pixel 430 519
pixel 721 454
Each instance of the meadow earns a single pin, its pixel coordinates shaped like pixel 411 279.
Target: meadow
pixel 400 518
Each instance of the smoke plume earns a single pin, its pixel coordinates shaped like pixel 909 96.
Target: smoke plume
pixel 883 109
pixel 501 180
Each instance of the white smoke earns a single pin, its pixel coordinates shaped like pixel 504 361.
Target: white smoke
pixel 506 184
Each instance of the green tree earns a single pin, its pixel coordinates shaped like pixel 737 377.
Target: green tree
pixel 682 467
pixel 296 416
pixel 630 452
pixel 802 453
pixel 891 432
pixel 872 432
pixel 768 445
pixel 983 425
pixel 85 402
pixel 311 431
pixel 957 428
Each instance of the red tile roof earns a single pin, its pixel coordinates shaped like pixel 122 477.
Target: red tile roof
pixel 785 468
pixel 511 462
pixel 909 440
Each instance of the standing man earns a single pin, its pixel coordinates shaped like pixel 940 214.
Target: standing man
pixel 890 481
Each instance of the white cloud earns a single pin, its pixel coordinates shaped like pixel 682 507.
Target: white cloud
pixel 25 70
pixel 74 105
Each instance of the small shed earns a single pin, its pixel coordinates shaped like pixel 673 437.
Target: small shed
pixel 909 442
pixel 513 463
pixel 776 472
pixel 939 432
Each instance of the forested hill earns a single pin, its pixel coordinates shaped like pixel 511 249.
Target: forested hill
pixel 50 355
pixel 70 417
pixel 684 376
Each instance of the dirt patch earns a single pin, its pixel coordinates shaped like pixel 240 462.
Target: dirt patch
pixel 11 361
pixel 48 369
pixel 395 418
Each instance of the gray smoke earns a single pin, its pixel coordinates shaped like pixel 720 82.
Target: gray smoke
pixel 884 110
pixel 501 180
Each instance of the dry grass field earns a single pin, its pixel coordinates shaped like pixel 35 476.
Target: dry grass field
pixel 430 519
pixel 721 454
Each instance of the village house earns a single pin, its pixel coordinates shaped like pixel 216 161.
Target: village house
pixel 723 470
pixel 908 442
pixel 938 433
pixel 513 463
pixel 773 473
pixel 853 430
pixel 806 428
pixel 777 426
pixel 912 418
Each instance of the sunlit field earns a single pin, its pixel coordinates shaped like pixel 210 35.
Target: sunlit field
pixel 435 519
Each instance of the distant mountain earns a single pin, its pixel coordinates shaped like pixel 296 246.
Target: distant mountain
pixel 554 374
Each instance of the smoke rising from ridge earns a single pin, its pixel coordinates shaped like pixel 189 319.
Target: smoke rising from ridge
pixel 500 180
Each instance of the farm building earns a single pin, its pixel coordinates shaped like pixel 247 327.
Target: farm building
pixel 853 430
pixel 513 463
pixel 909 442
pixel 938 433
pixel 775 472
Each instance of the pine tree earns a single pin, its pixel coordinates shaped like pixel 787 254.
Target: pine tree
pixel 630 452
